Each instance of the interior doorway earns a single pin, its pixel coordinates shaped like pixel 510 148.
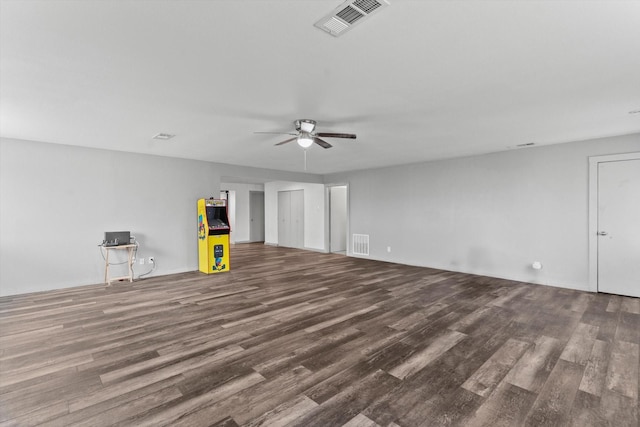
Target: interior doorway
pixel 338 219
pixel 230 197
pixel 256 216
pixel 614 226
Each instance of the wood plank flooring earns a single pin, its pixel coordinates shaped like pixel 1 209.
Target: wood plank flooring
pixel 298 338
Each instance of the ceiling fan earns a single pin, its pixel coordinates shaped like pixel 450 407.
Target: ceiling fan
pixel 306 134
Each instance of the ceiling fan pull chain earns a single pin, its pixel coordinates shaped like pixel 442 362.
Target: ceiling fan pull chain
pixel 305 160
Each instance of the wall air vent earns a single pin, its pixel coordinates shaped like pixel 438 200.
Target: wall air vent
pixel 349 14
pixel 360 244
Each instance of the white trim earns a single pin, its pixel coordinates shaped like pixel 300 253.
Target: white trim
pixel 593 210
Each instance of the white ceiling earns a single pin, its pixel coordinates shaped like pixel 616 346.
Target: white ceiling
pixel 419 80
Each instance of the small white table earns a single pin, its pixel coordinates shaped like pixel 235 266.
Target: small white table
pixel 130 250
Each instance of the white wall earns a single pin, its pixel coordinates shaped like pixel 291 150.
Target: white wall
pixel 314 212
pixel 56 202
pixel 492 215
pixel 241 227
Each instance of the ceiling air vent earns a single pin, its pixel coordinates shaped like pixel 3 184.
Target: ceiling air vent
pixel 349 14
pixel 163 136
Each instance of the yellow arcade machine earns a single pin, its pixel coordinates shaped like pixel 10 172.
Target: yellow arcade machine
pixel 213 236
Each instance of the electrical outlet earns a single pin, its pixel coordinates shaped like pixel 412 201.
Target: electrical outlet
pixel 141 261
pixel 388 248
pixel 151 260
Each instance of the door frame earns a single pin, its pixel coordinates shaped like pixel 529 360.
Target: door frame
pixel 593 210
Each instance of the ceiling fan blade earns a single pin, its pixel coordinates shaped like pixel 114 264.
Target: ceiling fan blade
pixel 288 140
pixel 336 135
pixel 279 133
pixel 321 143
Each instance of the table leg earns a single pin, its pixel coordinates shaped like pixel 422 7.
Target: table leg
pixel 106 268
pixel 130 250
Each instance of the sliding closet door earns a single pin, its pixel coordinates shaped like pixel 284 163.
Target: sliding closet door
pixel 291 219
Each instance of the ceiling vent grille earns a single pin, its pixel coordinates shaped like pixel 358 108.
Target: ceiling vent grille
pixel 348 14
pixel 367 6
pixel 163 136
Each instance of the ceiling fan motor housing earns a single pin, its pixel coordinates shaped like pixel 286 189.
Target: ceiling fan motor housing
pixel 305 125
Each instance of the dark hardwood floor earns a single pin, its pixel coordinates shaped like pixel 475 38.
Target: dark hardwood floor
pixel 299 338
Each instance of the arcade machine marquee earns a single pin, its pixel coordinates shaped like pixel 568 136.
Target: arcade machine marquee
pixel 213 236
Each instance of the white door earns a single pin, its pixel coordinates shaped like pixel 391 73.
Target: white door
pixel 256 214
pixel 619 227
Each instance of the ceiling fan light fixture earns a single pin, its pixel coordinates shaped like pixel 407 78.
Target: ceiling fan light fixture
pixel 305 140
